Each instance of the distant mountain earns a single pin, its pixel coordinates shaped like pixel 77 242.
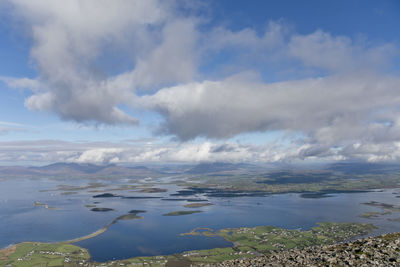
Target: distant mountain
pixel 219 167
pixel 79 170
pixel 140 171
pixel 139 168
pixel 16 171
pixel 85 168
pixel 363 167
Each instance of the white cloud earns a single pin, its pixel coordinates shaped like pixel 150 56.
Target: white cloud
pixel 45 152
pixel 329 109
pixel 173 60
pixel 8 127
pixel 22 83
pixel 103 153
pixel 339 53
pixel 99 155
pixel 208 82
pixel 69 37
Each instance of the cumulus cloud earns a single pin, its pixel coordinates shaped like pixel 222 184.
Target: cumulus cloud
pixel 99 155
pixel 21 83
pixel 70 37
pixel 211 82
pixel 339 53
pixel 50 151
pixel 318 106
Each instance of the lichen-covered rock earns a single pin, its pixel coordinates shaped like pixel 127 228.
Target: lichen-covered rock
pixel 373 251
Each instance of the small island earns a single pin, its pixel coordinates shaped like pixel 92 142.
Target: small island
pixel 386 210
pixel 137 211
pixel 132 216
pixel 385 206
pixel 44 205
pixel 315 195
pixel 182 212
pixel 197 205
pixel 374 214
pixel 105 195
pixel 153 190
pixel 101 209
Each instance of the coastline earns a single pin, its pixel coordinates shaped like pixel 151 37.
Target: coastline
pixel 250 245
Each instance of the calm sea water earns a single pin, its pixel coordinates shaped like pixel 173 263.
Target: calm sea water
pixel 155 234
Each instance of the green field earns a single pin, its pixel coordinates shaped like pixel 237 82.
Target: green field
pixel 197 205
pixel 43 254
pixel 250 242
pixel 318 183
pixel 247 242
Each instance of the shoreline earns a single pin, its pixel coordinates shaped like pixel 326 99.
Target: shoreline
pixel 94 234
pixel 105 228
pixel 340 230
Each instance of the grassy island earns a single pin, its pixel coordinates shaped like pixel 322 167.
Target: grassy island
pixel 101 209
pixel 386 210
pixel 153 190
pixel 180 213
pixel 197 205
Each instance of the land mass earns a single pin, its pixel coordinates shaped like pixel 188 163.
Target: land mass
pixel 262 240
pixel 373 251
pixel 217 179
pixel 386 210
pixel 220 180
pixel 132 215
pixel 247 243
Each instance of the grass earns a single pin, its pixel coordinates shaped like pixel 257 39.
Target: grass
pixel 197 205
pixel 182 212
pixel 249 242
pixel 373 214
pixel 44 254
pixel 307 182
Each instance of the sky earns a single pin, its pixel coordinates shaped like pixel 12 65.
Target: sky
pixel 133 81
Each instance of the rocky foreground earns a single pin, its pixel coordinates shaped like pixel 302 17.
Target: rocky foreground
pixel 373 251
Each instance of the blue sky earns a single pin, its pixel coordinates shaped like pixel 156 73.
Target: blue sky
pixel 376 19
pixel 266 80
